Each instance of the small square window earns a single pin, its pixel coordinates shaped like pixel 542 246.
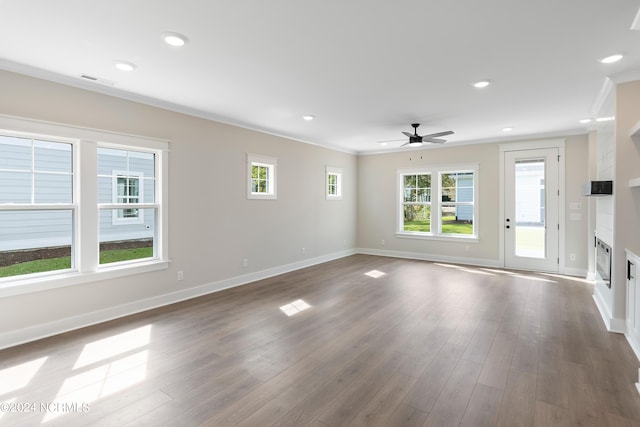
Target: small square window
pixel 333 180
pixel 261 177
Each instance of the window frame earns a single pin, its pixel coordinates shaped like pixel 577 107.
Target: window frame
pixel 436 203
pixel 271 164
pixel 337 172
pixel 85 207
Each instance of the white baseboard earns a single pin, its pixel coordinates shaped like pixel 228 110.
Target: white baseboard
pixel 612 324
pixel 32 333
pixel 480 262
pixel 576 272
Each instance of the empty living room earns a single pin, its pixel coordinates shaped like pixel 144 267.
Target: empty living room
pixel 319 214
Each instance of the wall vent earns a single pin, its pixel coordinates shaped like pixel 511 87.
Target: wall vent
pixel 97 79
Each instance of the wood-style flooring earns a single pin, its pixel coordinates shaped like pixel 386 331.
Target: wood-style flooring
pixel 384 342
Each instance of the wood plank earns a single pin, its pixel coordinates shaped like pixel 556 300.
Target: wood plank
pixel 484 406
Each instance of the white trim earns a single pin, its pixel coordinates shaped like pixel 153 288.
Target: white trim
pixel 45 281
pixel 63 132
pixel 478 262
pixel 611 323
pixel 533 145
pixel 603 93
pixel 271 163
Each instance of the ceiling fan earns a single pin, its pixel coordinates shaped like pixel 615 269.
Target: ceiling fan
pixel 416 140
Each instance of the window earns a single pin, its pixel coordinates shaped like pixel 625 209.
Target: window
pixel 126 177
pixel 456 209
pixel 416 204
pixel 55 228
pixel 261 177
pixel 37 200
pixel 451 213
pixel 334 183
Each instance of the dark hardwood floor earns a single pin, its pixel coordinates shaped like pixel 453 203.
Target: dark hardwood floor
pixel 424 344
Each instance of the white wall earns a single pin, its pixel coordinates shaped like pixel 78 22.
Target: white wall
pixel 212 225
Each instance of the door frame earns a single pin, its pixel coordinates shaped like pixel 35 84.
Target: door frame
pixel 534 145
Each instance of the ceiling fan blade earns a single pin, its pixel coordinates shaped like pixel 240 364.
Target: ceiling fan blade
pixel 434 140
pixel 437 134
pixel 392 140
pixel 408 134
pixel 406 143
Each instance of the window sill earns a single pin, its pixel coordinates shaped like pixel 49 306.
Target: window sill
pixel 31 284
pixel 451 238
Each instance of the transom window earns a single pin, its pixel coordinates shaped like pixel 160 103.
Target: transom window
pixel 438 201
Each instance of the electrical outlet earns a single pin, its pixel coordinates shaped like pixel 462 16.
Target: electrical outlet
pixel 382 242
pixel 245 262
pixel 572 257
pixel 304 250
pixel 180 275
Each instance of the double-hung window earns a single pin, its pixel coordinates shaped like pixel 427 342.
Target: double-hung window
pixel 78 205
pixel 438 201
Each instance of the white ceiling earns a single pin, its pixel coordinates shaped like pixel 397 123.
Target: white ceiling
pixel 365 69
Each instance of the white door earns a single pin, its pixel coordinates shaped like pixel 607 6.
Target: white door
pixel 531 202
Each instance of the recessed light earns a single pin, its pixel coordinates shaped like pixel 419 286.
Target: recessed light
pixel 383 143
pixel 124 66
pixel 585 121
pixel 611 59
pixel 175 39
pixel 507 129
pixel 309 117
pixel 605 119
pixel 482 84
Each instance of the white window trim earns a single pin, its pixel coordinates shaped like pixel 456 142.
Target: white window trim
pixel 436 202
pixel 85 142
pixel 115 220
pixel 331 170
pixel 272 164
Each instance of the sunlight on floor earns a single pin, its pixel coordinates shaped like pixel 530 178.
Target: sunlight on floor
pixel 465 269
pixel 521 275
pixel 295 307
pixel 572 278
pixel 19 376
pixel 375 274
pixel 126 365
pixel 113 346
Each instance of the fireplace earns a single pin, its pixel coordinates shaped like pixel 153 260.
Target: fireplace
pixel 603 261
